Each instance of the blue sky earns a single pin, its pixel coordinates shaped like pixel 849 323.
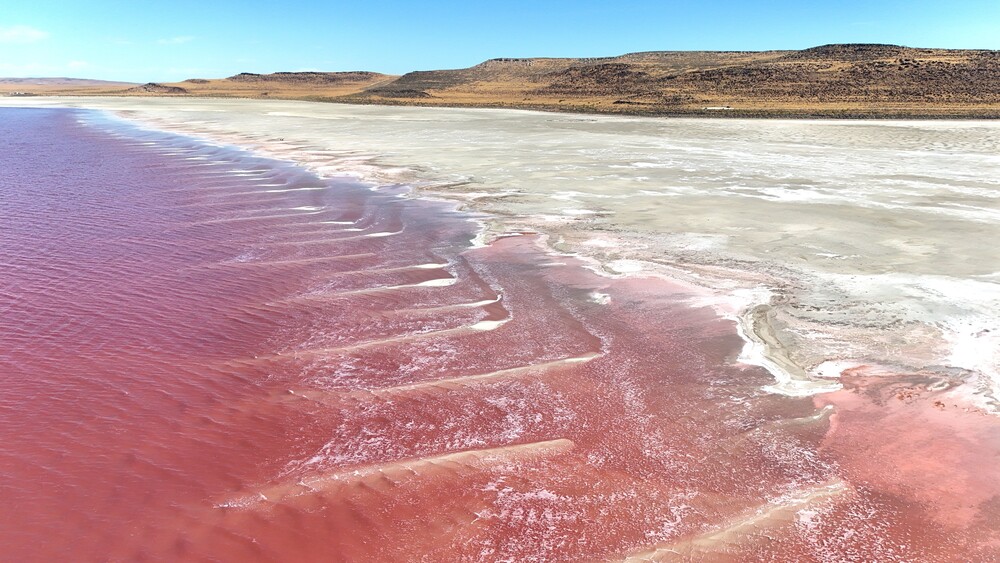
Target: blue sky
pixel 171 40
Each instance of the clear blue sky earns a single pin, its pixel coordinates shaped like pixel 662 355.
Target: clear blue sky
pixel 167 40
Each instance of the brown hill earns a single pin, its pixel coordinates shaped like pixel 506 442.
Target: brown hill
pixel 287 85
pixel 154 88
pixel 852 80
pixel 831 80
pixel 308 77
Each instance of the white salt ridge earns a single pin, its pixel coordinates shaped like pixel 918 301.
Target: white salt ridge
pixel 600 243
pixel 292 190
pixel 575 211
pixel 482 303
pixel 489 325
pixel 735 306
pixel 442 282
pixel 479 241
pixel 964 311
pixel 599 298
pixel 626 266
pixel 832 369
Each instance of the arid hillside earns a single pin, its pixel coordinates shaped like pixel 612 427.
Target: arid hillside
pixel 833 80
pixel 855 80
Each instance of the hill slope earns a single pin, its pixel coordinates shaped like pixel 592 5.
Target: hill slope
pixel 854 80
pixel 829 80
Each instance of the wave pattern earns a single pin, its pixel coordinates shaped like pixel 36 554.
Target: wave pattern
pixel 212 356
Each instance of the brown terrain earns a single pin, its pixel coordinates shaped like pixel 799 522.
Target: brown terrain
pixel 855 80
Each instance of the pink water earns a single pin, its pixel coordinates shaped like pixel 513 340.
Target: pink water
pixel 205 355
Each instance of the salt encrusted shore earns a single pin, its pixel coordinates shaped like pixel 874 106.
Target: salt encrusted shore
pixel 906 415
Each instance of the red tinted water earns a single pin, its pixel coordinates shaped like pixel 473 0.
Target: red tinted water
pixel 206 355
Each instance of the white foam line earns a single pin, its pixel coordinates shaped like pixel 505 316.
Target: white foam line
pixel 332 240
pixel 701 547
pixel 489 325
pixel 404 469
pixel 441 282
pixel 479 241
pixel 599 298
pixel 255 217
pixel 754 354
pixel 466 379
pixel 393 269
pixel 401 339
pixel 472 305
pixel 287 262
pixel 482 303
pixel 299 243
pixel 290 190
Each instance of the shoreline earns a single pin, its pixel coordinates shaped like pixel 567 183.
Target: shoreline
pixel 722 280
pixel 791 380
pixel 818 114
pixel 749 314
pixel 763 114
pixel 574 405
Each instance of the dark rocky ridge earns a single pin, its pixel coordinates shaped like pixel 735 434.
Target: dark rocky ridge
pixel 601 79
pixel 834 76
pixel 155 88
pixel 849 52
pixel 307 77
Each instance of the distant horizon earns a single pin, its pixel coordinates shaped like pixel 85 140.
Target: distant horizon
pixel 107 40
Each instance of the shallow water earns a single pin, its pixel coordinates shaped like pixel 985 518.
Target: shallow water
pixel 212 355
pixel 842 244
